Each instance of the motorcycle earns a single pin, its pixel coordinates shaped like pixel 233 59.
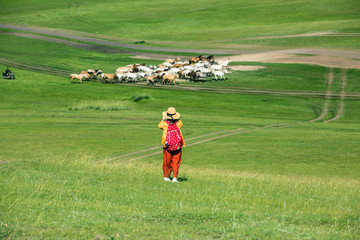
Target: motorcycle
pixel 8 76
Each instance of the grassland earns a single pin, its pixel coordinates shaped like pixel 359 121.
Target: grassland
pixel 197 24
pixel 63 174
pixel 292 183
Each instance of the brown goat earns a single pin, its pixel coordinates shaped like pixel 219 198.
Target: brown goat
pixel 150 80
pixel 169 78
pixel 172 61
pixel 194 59
pixel 85 73
pixel 108 76
pixel 77 76
pixel 178 65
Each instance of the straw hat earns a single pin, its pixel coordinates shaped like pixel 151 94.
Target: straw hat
pixel 171 114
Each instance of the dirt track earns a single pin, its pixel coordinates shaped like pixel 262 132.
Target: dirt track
pixel 292 57
pixel 328 58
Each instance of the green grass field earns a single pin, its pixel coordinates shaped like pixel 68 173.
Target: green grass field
pixel 194 24
pixel 295 182
pixel 82 161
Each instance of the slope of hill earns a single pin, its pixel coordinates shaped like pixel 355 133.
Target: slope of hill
pixel 271 154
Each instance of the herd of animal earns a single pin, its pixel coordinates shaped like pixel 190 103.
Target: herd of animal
pixel 194 69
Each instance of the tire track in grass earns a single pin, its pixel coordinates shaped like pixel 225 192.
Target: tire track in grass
pixel 270 92
pixel 341 106
pixel 328 96
pixel 157 147
pixel 237 90
pixel 325 108
pixel 35 68
pixel 122 159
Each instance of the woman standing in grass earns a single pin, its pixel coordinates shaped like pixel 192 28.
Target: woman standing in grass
pixel 173 141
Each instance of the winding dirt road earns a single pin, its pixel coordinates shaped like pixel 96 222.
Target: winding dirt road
pixel 328 58
pixel 341 106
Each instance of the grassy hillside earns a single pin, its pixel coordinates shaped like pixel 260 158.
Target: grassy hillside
pixel 83 161
pixel 203 23
pixel 295 182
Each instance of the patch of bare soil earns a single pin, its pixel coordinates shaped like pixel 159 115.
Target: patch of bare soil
pixel 246 68
pixel 315 34
pixel 326 61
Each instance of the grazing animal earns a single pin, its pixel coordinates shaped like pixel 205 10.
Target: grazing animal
pixel 199 65
pixel 167 65
pixel 189 68
pixel 211 58
pixel 120 76
pixel 144 69
pixel 184 74
pixel 135 69
pixel 169 78
pixel 131 77
pixel 216 67
pixel 141 75
pixel 91 72
pixel 161 66
pixel 219 74
pixel 173 71
pixel 88 75
pixel 124 69
pixel 181 74
pixel 194 59
pixel 109 76
pixel 200 75
pixel 98 74
pixel 77 76
pixel 172 61
pixel 206 71
pixel 178 65
pixel 159 70
pixel 159 77
pixel 203 58
pixel 193 75
pixel 150 80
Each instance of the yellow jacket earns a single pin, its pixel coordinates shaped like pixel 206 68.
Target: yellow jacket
pixel 164 126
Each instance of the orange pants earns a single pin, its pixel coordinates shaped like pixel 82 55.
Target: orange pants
pixel 172 161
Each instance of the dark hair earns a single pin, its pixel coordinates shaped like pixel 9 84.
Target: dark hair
pixel 172 121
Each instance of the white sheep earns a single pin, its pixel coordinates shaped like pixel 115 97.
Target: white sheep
pixel 216 67
pixel 219 74
pixel 173 71
pixel 131 77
